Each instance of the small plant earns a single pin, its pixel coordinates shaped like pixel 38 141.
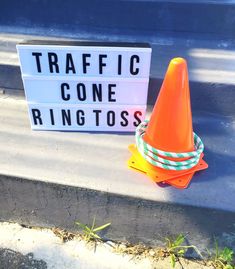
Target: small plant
pixel 222 259
pixel 175 248
pixel 90 233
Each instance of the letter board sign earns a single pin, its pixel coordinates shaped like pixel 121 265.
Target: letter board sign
pixel 85 86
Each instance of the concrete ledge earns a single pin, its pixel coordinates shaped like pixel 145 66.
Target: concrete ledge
pixel 98 161
pixel 54 178
pixel 137 220
pixel 210 63
pixel 124 17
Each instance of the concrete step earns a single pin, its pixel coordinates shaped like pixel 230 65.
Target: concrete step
pixel 210 63
pixel 210 18
pixel 55 178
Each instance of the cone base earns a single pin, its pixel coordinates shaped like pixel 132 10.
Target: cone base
pixel 179 179
pixel 181 182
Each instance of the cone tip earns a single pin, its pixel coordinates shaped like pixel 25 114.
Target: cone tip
pixel 178 61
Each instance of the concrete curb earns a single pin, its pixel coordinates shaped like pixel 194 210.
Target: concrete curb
pixel 136 220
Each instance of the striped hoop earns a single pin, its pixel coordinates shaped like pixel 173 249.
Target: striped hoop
pixel 151 154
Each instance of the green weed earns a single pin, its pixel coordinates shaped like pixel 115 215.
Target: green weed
pixel 176 249
pixel 222 258
pixel 91 233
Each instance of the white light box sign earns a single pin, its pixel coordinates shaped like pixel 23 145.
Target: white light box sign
pixel 65 82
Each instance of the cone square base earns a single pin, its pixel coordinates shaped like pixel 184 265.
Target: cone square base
pixel 179 179
pixel 180 182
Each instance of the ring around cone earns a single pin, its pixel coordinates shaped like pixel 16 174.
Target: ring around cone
pixel 170 128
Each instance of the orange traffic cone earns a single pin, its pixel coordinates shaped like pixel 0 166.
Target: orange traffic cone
pixel 167 150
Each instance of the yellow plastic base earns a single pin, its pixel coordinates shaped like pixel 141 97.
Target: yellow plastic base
pixel 178 179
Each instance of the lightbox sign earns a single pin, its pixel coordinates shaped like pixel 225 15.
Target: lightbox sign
pixel 85 86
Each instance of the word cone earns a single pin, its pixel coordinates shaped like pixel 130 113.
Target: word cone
pixel 170 128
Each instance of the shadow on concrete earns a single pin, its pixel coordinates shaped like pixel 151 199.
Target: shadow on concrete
pixel 10 259
pixel 10 77
pixel 208 97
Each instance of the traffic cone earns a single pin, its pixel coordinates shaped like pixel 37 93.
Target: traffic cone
pixel 170 129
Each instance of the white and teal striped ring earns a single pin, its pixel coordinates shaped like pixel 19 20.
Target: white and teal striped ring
pixel 150 153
